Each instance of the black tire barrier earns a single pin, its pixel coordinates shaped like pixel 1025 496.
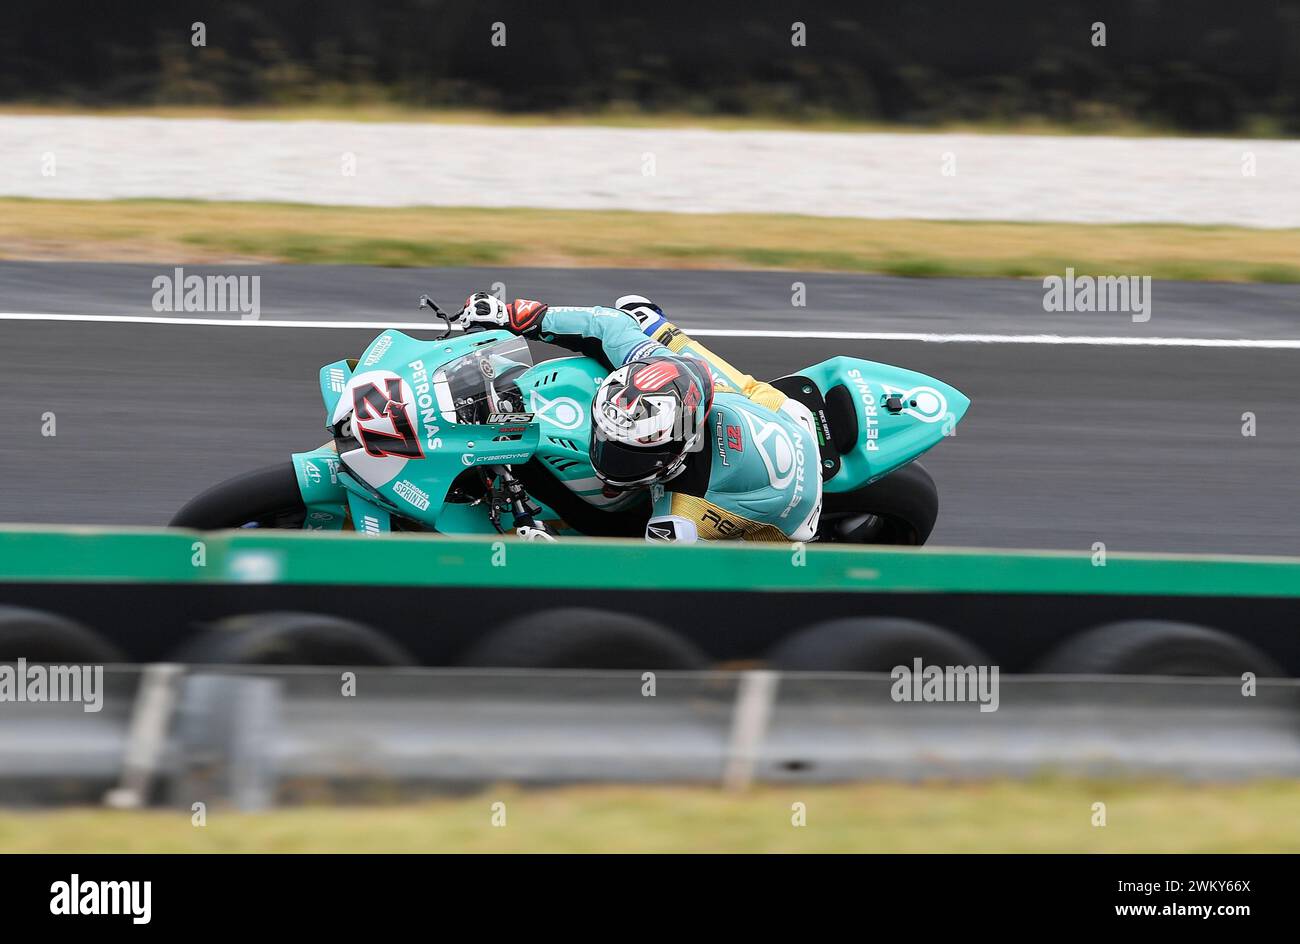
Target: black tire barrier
pixel 289 638
pixel 38 636
pixel 581 638
pixel 1156 647
pixel 871 644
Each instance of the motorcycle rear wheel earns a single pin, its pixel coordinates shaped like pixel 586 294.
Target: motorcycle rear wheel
pixel 901 508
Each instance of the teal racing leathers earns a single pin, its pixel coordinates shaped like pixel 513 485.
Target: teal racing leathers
pixel 757 476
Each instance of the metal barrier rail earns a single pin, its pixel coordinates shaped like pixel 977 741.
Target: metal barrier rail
pixel 255 737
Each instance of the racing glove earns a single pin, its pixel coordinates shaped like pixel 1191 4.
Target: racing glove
pixel 522 316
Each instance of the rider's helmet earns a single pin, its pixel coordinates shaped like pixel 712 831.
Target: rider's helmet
pixel 647 417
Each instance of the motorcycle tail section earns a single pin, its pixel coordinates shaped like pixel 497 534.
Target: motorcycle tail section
pixel 874 417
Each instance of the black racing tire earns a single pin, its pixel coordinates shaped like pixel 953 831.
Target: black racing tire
pixel 871 644
pixel 581 638
pixel 900 508
pixel 269 497
pixel 286 638
pixel 1156 647
pixel 38 636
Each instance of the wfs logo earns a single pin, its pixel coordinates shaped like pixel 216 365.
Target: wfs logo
pixel 75 897
pixel 213 293
pixel 1099 293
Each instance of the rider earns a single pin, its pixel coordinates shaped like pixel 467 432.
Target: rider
pixel 725 456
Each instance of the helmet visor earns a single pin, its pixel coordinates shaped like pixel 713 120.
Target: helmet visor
pixel 621 464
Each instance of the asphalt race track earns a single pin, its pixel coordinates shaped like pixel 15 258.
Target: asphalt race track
pixel 1139 447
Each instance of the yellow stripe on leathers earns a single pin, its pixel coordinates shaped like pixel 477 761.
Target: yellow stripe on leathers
pixel 712 522
pixel 764 394
pixel 717 524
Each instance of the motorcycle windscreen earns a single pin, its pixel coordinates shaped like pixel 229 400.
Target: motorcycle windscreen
pixel 475 386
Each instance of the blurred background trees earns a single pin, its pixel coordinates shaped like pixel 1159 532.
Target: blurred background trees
pixel 1189 65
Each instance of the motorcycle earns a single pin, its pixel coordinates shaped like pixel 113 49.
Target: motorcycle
pixel 466 435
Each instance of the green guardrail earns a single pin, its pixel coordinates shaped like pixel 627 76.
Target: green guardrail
pixel 79 555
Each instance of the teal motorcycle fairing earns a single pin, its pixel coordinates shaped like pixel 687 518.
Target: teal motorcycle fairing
pixel 900 415
pixel 410 417
pixel 421 413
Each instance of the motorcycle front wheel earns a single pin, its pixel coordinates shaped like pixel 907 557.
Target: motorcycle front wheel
pixel 267 498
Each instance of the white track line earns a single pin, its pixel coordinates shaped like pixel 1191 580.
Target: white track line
pixel 1288 344
pixel 221 322
pixel 1280 343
